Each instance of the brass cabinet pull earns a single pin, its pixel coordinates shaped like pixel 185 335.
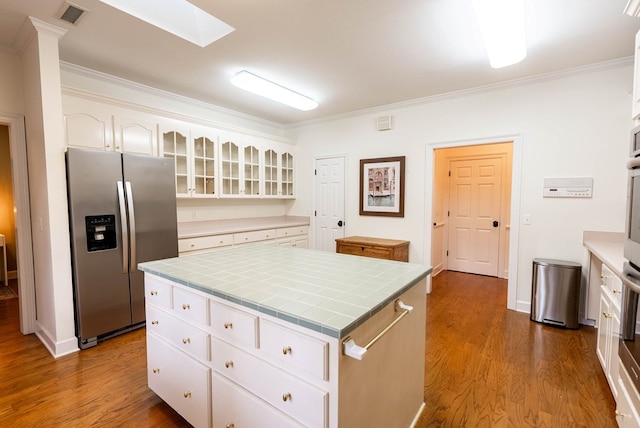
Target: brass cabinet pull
pixel 154 322
pixel 616 291
pixel 231 425
pixel 228 364
pixel 186 340
pixel 228 325
pixel 154 293
pixel 286 350
pixel 286 396
pixel 606 314
pixel 187 394
pixel 186 306
pixel 156 370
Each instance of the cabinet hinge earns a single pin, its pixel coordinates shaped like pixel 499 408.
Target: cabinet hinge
pixel 449 173
pixel 447 253
pixel 315 213
pixel 315 172
pixel 448 213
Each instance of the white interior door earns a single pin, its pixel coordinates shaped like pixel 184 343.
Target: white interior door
pixel 474 214
pixel 329 203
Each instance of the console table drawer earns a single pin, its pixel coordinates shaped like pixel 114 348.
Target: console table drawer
pixel 389 249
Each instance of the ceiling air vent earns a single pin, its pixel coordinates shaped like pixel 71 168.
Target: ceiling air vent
pixel 71 13
pixel 384 123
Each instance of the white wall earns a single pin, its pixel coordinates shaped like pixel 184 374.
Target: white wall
pixel 11 98
pixel 573 125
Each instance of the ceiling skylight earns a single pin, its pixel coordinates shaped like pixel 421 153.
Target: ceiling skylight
pixel 178 17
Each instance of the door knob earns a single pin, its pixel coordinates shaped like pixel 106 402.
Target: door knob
pixel 340 223
pixel 495 223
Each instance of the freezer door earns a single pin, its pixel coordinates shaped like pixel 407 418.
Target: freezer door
pixel 151 196
pixel 101 287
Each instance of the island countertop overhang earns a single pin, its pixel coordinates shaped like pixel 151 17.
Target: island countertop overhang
pixel 325 292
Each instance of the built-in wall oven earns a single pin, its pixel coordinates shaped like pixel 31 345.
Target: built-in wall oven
pixel 629 349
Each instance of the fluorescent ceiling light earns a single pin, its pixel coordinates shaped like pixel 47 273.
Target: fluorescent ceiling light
pixel 178 17
pixel 252 83
pixel 502 26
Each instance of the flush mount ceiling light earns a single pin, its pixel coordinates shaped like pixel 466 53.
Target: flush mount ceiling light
pixel 178 17
pixel 502 26
pixel 252 83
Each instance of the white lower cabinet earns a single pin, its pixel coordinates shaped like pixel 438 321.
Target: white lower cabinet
pixel 261 371
pixel 180 380
pixel 608 337
pixel 628 402
pixel 231 403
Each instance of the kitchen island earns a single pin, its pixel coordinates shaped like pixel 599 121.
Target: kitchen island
pixel 273 336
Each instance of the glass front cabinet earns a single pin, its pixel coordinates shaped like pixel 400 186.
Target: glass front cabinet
pixel 240 169
pixel 194 153
pixel 278 173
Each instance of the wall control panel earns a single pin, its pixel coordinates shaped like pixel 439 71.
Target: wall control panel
pixel 581 187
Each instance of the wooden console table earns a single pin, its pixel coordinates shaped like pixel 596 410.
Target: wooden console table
pixel 389 249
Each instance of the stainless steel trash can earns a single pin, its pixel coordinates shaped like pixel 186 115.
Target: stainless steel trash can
pixel 555 292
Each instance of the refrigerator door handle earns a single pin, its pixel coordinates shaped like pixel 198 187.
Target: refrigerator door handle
pixel 132 225
pixel 123 225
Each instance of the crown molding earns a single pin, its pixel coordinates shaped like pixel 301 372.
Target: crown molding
pixel 562 74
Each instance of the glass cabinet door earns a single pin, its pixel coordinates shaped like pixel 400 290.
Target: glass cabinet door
pixel 230 173
pixel 286 166
pixel 251 171
pixel 204 166
pixel 174 146
pixel 270 173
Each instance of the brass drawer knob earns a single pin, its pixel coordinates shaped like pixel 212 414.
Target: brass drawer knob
pixel 228 364
pixel 186 340
pixel 186 306
pixel 286 396
pixel 156 370
pixel 228 325
pixel 154 293
pixel 286 350
pixel 231 425
pixel 187 394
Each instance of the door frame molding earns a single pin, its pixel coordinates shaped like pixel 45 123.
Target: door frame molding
pixel 514 231
pixel 24 243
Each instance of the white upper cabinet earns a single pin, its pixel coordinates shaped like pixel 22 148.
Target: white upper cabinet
pixel 133 135
pixel 193 149
pixel 278 171
pixel 92 125
pixel 240 168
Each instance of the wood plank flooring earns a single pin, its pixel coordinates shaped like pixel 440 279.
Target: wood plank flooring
pixel 485 367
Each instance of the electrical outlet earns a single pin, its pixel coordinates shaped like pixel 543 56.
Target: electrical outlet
pixel 526 219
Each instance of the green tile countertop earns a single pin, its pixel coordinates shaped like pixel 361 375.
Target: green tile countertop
pixel 325 292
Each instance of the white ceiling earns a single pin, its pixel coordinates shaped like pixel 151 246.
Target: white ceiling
pixel 348 55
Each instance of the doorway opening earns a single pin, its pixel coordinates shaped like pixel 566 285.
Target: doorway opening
pixel 471 210
pixel 22 221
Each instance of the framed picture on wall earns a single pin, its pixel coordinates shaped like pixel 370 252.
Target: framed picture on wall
pixel 382 186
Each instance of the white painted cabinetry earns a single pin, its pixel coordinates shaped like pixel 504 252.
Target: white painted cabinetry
pixel 240 167
pixel 628 402
pixel 194 151
pixel 278 172
pixel 294 236
pixel 260 371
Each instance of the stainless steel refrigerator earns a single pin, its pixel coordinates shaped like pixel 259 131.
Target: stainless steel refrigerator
pixel 122 211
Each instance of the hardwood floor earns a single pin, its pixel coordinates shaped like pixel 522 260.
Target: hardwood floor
pixel 485 367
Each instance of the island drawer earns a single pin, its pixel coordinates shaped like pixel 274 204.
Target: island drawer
pixel 184 336
pixel 292 231
pixel 190 306
pixel 179 380
pixel 234 325
pixel 297 350
pixel 298 399
pixel 232 401
pixel 204 242
pixel 254 236
pixel 157 291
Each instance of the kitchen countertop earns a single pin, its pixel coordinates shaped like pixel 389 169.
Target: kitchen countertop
pixel 608 247
pixel 194 229
pixel 325 292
